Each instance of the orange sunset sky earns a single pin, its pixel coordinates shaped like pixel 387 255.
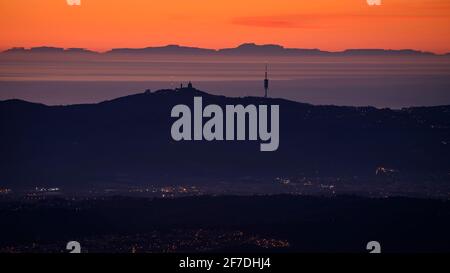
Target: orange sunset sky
pixel 325 24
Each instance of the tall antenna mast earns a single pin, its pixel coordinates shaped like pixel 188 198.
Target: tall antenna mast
pixel 266 84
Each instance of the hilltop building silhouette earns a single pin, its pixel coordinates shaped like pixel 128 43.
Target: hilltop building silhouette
pixel 188 87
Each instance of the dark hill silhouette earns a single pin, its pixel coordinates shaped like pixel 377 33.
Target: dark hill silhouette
pixel 128 140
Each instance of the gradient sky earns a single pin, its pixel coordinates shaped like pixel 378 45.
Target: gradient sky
pixel 325 24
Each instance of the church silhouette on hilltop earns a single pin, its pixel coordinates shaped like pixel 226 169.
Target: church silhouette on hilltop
pixel 188 87
pixel 191 87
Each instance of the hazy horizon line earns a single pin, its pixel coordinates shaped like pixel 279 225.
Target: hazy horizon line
pixel 161 91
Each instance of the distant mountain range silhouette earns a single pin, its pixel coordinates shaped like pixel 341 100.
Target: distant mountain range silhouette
pixel 244 49
pixel 47 49
pixel 127 140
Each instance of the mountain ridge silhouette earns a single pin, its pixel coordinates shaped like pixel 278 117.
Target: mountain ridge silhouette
pixel 127 140
pixel 243 49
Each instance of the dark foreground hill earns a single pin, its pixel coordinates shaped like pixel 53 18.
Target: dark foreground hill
pixel 127 140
